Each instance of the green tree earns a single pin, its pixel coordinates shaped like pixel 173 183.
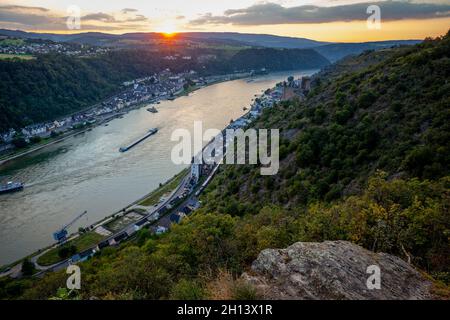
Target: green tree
pixel 187 290
pixel 19 142
pixel 27 267
pixel 66 251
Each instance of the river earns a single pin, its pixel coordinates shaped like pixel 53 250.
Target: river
pixel 87 172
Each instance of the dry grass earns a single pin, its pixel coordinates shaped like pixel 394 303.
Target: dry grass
pixel 226 287
pixel 221 288
pixel 7 56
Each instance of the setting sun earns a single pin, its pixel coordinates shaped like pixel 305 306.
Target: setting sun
pixel 169 35
pixel 168 29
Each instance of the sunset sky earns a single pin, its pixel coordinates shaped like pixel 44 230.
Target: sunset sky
pixel 326 20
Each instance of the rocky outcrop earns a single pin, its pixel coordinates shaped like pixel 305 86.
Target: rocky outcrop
pixel 334 270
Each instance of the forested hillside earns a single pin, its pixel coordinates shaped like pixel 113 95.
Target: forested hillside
pixel 52 86
pixel 364 158
pixel 386 110
pixel 337 51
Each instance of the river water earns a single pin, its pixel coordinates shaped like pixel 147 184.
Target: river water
pixel 87 172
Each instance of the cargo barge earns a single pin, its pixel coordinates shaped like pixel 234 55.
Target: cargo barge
pixel 150 133
pixel 152 110
pixel 11 187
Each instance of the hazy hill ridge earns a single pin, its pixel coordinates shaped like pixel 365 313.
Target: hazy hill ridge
pixel 331 51
pixel 53 86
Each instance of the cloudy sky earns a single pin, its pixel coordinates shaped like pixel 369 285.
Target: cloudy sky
pixel 329 20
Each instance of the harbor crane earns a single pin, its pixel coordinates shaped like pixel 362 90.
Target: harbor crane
pixel 61 234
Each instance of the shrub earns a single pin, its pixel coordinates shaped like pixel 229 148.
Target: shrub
pixel 67 251
pixel 187 290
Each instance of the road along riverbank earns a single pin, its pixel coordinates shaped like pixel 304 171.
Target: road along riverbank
pixel 87 172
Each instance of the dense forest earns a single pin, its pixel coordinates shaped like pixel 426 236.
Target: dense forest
pixel 364 158
pixel 390 112
pixel 53 85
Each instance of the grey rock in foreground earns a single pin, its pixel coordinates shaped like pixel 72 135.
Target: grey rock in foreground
pixel 333 270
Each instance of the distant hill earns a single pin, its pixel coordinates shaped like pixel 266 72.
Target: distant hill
pixel 98 38
pixel 277 59
pixel 52 86
pixel 331 51
pixel 262 40
pixel 54 36
pixel 337 51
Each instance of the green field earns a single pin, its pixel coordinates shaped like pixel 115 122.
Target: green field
pixel 11 42
pixel 169 186
pixel 7 56
pixel 83 242
pixel 122 222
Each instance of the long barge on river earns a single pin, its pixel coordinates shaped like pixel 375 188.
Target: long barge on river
pixel 150 133
pixel 11 187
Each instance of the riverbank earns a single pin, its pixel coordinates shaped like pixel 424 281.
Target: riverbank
pixel 40 147
pixel 48 256
pixel 87 172
pixel 53 140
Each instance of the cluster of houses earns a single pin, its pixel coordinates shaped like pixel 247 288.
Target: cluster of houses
pixel 176 57
pixel 154 87
pixel 164 85
pixel 40 47
pixel 266 100
pixel 197 170
pixel 176 217
pixel 6 137
pixel 296 88
pixel 162 227
pixel 46 128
